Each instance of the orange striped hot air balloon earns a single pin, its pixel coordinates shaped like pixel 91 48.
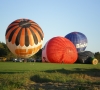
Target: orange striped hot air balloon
pixel 59 50
pixel 24 37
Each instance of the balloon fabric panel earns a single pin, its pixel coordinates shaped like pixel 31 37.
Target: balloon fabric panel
pixel 44 53
pixel 61 50
pixel 37 28
pixel 34 36
pixel 84 57
pixel 30 37
pixel 78 39
pixel 39 31
pixel 37 34
pixel 11 26
pixel 24 37
pixel 15 35
pixel 9 31
pixel 36 31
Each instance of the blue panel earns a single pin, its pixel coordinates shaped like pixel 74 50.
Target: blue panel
pixel 78 39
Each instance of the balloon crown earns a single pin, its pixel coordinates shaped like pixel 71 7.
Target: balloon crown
pixel 24 23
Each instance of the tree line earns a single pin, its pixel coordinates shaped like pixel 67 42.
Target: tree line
pixel 5 52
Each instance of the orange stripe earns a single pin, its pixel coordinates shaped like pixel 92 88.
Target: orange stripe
pixel 20 51
pixel 23 51
pixel 26 52
pixel 16 22
pixel 34 24
pixel 15 35
pixel 30 51
pixel 38 28
pixel 9 32
pixel 12 25
pixel 22 37
pixel 31 40
pixel 37 34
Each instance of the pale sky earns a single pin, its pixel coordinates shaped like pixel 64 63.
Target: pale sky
pixel 56 17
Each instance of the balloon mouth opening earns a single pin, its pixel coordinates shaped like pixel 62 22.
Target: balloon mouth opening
pixel 25 24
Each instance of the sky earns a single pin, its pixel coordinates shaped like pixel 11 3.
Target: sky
pixel 56 18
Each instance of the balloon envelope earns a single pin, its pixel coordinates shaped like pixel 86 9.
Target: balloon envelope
pixel 24 37
pixel 84 57
pixel 59 50
pixel 78 39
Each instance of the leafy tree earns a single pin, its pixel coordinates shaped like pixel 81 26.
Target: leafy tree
pixel 3 50
pixel 37 55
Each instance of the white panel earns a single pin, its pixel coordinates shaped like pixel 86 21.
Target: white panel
pixel 44 53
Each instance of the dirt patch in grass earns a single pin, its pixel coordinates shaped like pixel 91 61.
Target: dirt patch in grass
pixel 63 86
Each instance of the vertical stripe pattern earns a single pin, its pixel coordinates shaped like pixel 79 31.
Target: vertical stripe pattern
pixel 24 32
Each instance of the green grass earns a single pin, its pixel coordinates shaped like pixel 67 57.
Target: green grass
pixel 31 66
pixel 43 76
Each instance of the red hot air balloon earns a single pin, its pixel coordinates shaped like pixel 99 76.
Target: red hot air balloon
pixel 59 50
pixel 24 37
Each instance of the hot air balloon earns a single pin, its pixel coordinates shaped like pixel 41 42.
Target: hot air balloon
pixel 59 50
pixel 86 57
pixel 24 37
pixel 78 39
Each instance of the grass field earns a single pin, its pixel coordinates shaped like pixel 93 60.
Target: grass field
pixel 49 76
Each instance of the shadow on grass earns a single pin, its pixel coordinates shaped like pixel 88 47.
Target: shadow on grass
pixel 47 83
pixel 90 72
pixel 38 79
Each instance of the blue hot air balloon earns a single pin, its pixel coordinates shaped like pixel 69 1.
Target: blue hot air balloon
pixel 78 39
